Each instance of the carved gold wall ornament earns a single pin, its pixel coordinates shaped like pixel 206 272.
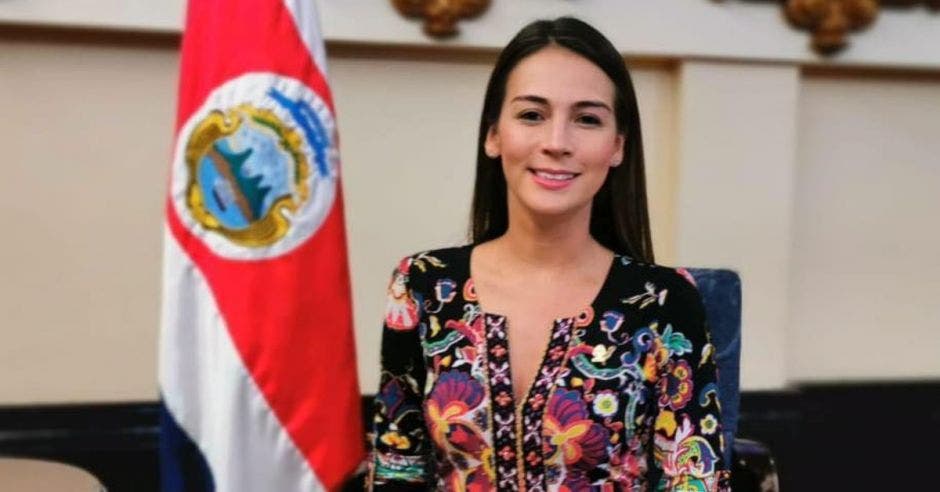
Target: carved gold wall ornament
pixel 441 16
pixel 830 21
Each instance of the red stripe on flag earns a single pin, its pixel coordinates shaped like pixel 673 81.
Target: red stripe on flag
pixel 225 39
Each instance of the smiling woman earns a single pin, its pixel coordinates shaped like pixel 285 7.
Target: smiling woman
pixel 610 382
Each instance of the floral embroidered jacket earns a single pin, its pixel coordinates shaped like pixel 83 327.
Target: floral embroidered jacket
pixel 625 397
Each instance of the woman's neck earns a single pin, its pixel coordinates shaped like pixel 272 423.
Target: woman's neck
pixel 556 243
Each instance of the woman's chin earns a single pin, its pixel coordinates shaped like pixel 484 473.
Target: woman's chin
pixel 552 210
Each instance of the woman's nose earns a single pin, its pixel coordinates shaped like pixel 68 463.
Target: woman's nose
pixel 557 140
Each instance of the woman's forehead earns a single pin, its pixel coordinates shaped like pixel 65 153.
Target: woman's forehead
pixel 560 76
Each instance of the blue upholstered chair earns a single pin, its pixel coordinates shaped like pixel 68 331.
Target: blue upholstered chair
pixel 721 294
pixel 751 462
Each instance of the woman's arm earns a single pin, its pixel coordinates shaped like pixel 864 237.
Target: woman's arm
pixel 687 442
pixel 400 451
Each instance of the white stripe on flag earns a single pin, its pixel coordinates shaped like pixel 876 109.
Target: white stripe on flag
pixel 208 391
pixel 307 21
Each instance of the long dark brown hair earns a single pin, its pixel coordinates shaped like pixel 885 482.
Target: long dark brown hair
pixel 619 216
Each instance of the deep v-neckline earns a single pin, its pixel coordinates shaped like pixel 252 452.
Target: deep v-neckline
pixel 554 352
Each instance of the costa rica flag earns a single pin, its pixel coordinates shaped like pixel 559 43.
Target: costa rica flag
pixel 257 358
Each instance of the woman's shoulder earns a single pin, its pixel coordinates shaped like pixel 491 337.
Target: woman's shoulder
pixel 451 261
pixel 676 282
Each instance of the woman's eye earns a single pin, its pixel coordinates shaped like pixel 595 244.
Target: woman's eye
pixel 589 119
pixel 530 116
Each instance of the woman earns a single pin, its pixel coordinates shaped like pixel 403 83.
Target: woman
pixel 549 354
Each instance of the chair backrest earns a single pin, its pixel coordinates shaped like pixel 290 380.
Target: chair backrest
pixel 721 295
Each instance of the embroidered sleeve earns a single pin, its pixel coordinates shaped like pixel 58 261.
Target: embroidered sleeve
pixel 400 450
pixel 687 442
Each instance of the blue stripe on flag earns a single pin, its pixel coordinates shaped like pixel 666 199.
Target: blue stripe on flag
pixel 182 465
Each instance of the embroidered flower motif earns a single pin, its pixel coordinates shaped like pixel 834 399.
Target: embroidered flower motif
pixel 675 342
pixel 569 432
pixel 611 321
pixel 605 403
pixel 479 479
pixel 629 462
pixel 454 395
pixel 648 297
pixel 532 458
pixel 678 457
pixel 422 260
pixel 503 398
pixel 709 424
pixel 507 453
pixel 600 353
pixel 666 423
pixel 675 387
pixel 689 455
pixel 395 440
pixel 469 292
pixel 468 354
pixel 709 396
pixel 657 354
pixel 471 331
pixel 445 290
pixel 537 401
pixel 401 311
pixel 658 349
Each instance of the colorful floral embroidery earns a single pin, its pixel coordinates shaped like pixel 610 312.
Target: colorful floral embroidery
pixel 688 460
pixel 450 412
pixel 675 387
pixel 648 297
pixel 401 312
pixel 637 376
pixel 606 403
pixel 572 437
pixel 709 424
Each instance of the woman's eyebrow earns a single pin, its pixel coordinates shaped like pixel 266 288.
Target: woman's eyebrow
pixel 531 98
pixel 592 104
pixel 578 105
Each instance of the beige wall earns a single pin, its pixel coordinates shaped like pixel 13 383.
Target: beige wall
pixel 85 135
pixel 865 292
pixel 86 142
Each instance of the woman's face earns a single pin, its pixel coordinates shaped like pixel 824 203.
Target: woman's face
pixel 556 134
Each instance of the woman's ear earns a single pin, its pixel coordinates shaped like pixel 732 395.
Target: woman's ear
pixel 492 146
pixel 617 158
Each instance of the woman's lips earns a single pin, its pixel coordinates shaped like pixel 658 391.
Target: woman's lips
pixel 552 180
